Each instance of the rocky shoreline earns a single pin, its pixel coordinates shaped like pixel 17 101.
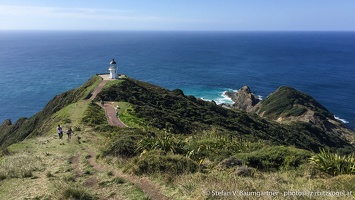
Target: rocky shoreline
pixel 243 99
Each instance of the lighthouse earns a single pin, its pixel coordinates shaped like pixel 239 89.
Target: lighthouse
pixel 113 69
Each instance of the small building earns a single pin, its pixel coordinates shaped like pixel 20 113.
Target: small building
pixel 113 69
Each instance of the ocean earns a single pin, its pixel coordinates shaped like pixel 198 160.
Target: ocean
pixel 37 65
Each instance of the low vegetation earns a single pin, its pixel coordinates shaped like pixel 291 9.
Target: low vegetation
pixel 122 144
pixel 73 190
pixel 274 158
pixel 94 115
pixel 286 101
pixel 333 163
pixel 158 161
pixel 19 166
pixel 37 124
pixel 188 148
pixel 177 113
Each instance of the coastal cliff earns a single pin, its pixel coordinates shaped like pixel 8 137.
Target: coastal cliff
pixel 287 105
pixel 243 99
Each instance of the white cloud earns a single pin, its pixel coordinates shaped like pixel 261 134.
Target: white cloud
pixel 23 11
pixel 35 17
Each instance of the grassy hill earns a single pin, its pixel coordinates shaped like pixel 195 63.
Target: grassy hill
pixel 161 109
pixel 176 147
pixel 287 105
pixel 38 124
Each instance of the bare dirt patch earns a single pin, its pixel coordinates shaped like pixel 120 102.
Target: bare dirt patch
pixel 75 161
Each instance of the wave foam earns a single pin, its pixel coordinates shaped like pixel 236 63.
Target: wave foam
pixel 221 98
pixel 224 99
pixel 342 120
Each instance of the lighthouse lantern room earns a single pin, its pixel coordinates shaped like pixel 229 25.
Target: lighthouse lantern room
pixel 113 69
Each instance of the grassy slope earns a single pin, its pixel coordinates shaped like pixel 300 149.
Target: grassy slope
pixel 38 123
pixel 55 167
pixel 44 167
pixel 286 101
pixel 180 114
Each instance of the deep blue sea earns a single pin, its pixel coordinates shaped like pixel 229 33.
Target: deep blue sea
pixel 37 65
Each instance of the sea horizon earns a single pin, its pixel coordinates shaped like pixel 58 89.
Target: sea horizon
pixel 202 63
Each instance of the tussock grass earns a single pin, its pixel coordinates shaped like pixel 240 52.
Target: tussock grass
pixel 19 166
pixel 71 190
pixel 165 142
pixel 157 161
pixel 94 115
pixel 205 186
pixel 333 163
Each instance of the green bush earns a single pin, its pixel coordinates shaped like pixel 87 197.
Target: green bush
pixel 275 158
pixel 165 142
pixel 333 163
pixel 296 111
pixel 94 115
pixel 286 101
pixel 157 161
pixel 123 144
pixel 215 148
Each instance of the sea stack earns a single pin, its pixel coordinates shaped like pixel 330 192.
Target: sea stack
pixel 244 99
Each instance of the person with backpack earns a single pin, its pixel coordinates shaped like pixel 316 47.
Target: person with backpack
pixel 60 131
pixel 69 133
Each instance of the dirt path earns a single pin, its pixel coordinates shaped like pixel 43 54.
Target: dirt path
pixel 110 111
pixel 149 188
pixel 111 116
pixel 98 89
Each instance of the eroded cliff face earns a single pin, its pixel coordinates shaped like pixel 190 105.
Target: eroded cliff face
pixel 244 99
pixel 287 105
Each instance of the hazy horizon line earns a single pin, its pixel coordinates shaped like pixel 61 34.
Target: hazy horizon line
pixel 167 30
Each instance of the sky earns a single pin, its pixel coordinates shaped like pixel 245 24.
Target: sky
pixel 195 15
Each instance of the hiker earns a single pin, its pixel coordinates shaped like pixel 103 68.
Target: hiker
pixel 60 131
pixel 69 133
pixel 116 113
pixel 102 102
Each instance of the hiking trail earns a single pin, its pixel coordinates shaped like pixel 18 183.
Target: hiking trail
pixel 110 110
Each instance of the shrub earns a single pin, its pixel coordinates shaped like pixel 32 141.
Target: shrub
pixel 332 163
pixel 178 92
pixel 72 190
pixel 244 171
pixel 296 111
pixel 94 115
pixel 231 162
pixel 119 180
pixel 157 161
pixel 76 128
pixel 276 158
pixel 123 144
pixel 216 148
pixel 165 142
pixel 76 193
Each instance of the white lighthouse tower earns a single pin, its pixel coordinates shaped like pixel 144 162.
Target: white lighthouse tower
pixel 113 69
